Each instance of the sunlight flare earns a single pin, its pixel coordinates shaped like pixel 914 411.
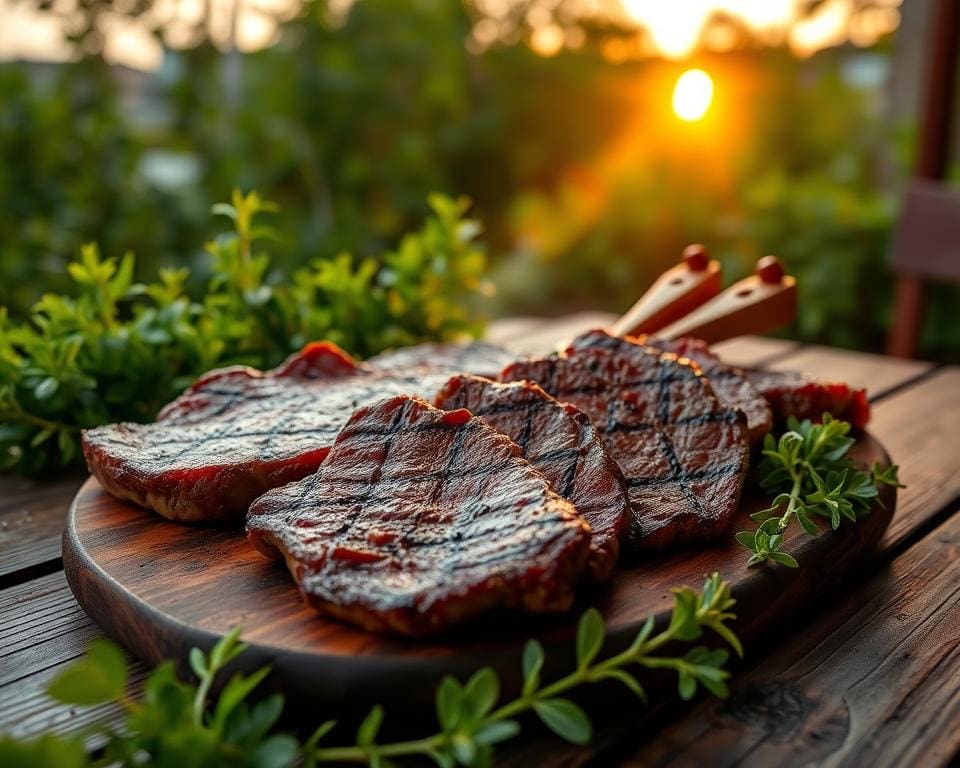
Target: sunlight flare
pixel 692 95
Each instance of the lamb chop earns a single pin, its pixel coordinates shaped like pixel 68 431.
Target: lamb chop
pixel 238 432
pixel 421 518
pixel 560 442
pixel 684 455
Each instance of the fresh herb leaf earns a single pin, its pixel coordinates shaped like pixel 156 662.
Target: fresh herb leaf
pixel 532 664
pixel 99 677
pixel 809 473
pixel 45 750
pixel 449 698
pixel 590 633
pixel 627 679
pixel 278 751
pixel 370 727
pixel 496 732
pixel 480 694
pixel 565 719
pixel 886 475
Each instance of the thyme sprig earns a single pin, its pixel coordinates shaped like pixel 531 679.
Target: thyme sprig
pixel 810 474
pixel 471 723
pixel 176 723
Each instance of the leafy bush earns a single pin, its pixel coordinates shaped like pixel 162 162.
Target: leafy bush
pixel 119 350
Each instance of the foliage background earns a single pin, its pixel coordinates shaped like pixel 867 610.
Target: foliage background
pixel 587 185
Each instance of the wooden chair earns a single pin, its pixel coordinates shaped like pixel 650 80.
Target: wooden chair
pixel 926 247
pixel 927 244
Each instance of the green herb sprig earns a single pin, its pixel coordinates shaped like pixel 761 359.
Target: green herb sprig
pixel 117 350
pixel 810 475
pixel 176 723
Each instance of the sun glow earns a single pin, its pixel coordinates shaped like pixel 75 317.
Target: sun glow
pixel 692 95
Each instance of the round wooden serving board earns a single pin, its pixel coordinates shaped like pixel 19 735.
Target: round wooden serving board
pixel 160 588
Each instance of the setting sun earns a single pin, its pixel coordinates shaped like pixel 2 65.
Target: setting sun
pixel 692 95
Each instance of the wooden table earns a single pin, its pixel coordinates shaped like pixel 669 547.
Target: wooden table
pixel 870 675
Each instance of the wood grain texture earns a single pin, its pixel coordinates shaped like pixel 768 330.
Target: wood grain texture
pixel 751 305
pixel 921 429
pixel 876 373
pixel 754 351
pixel 32 514
pixel 508 330
pixel 873 682
pixel 546 336
pixel 673 295
pixel 42 629
pixel 160 588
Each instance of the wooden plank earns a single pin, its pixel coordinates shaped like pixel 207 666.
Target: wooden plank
pixel 26 711
pixel 506 330
pixel 919 427
pixel 876 373
pixel 873 681
pixel 32 514
pixel 554 332
pixel 754 351
pixel 42 629
pixel 40 625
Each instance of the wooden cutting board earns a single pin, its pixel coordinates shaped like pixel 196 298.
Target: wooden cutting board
pixel 160 588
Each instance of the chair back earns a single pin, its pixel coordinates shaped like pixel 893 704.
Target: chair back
pixel 927 240
pixel 926 246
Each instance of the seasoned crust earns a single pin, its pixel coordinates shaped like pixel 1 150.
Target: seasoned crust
pixel 683 454
pixel 421 518
pixel 732 385
pixel 237 432
pixel 560 442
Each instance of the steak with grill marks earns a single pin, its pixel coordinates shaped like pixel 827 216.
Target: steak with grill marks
pixel 560 442
pixel 476 357
pixel 684 454
pixel 238 432
pixel 731 384
pixel 807 397
pixel 421 518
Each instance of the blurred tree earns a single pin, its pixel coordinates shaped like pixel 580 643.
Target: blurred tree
pixel 587 185
pixel 84 21
pixel 69 173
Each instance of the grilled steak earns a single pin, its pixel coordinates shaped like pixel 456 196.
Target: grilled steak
pixel 684 455
pixel 238 432
pixel 806 397
pixel 475 357
pixel 420 518
pixel 732 386
pixel 560 442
